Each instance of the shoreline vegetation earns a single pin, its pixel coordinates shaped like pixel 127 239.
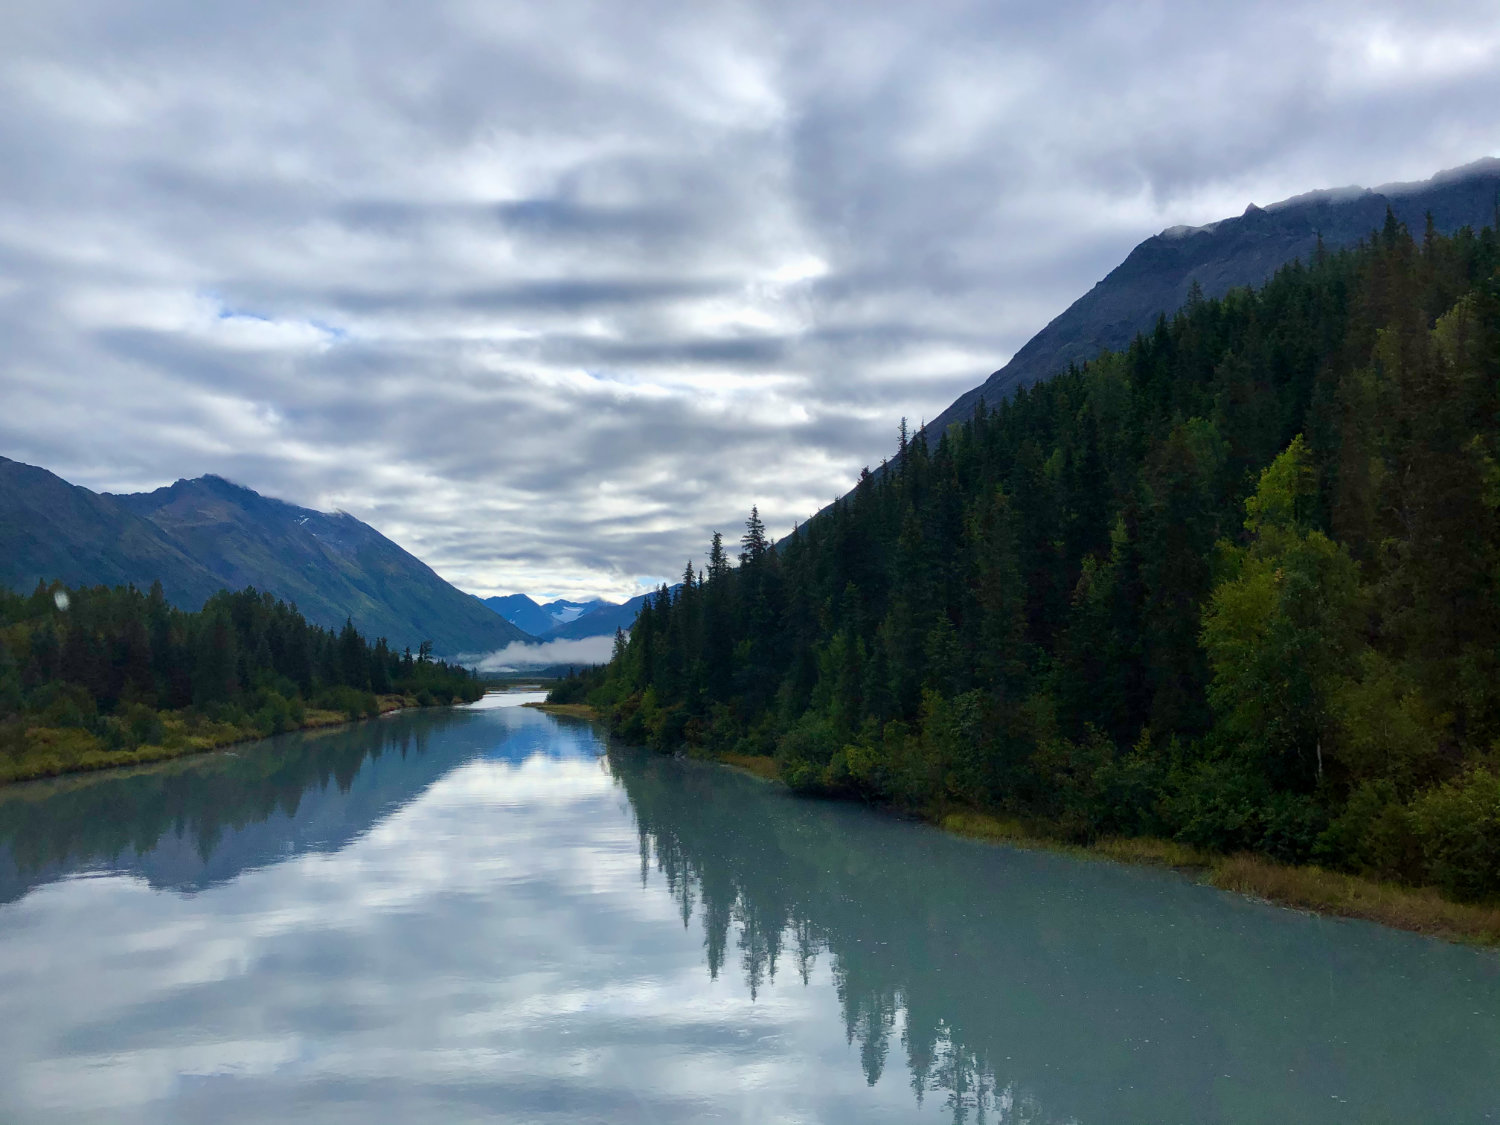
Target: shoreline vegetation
pixel 568 710
pixel 1310 888
pixel 1299 887
pixel 1421 910
pixel 188 735
pixel 100 677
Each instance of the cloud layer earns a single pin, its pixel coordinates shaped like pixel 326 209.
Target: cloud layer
pixel 518 656
pixel 548 293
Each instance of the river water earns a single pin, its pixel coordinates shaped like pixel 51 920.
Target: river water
pixel 485 914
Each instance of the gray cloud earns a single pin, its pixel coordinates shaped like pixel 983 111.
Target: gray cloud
pixel 549 293
pixel 584 650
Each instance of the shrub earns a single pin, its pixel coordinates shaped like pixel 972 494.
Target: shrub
pixel 804 752
pixel 1458 826
pixel 1373 835
pixel 62 705
pixel 274 715
pixel 145 724
pixel 351 701
pixel 1217 806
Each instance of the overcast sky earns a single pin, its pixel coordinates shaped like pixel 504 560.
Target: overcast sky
pixel 547 292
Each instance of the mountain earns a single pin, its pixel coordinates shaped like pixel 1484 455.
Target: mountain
pixel 1158 275
pixel 564 612
pixel 523 613
pixel 52 530
pixel 562 618
pixel 603 620
pixel 197 536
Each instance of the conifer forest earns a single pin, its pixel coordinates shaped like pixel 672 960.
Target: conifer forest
pixel 1237 585
pixel 106 676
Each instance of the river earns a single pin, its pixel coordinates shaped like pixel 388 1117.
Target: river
pixel 488 915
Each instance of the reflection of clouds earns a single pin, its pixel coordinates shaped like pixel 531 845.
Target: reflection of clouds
pixel 480 946
pixel 485 949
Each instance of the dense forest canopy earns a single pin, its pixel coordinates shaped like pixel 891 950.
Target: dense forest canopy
pixel 90 673
pixel 1236 584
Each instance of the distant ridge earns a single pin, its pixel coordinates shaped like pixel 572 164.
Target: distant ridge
pixel 602 621
pixel 564 620
pixel 197 536
pixel 1156 278
pixel 522 612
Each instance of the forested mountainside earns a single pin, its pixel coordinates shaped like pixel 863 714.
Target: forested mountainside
pixel 1158 275
pixel 101 676
pixel 53 531
pixel 1235 584
pixel 199 536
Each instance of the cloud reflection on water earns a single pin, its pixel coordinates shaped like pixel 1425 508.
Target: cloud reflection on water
pixel 472 915
pixel 482 948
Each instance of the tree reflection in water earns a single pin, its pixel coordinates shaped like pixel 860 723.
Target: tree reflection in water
pixel 1029 986
pixel 783 887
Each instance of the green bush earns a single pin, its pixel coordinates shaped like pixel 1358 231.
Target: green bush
pixel 1373 835
pixel 1292 824
pixel 274 713
pixel 62 705
pixel 1458 826
pixel 1218 806
pixel 351 701
pixel 804 752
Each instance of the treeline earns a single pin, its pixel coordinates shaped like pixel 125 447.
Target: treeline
pixel 1238 585
pixel 95 676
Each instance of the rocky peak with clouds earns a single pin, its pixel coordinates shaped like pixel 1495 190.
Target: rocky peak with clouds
pixel 1156 278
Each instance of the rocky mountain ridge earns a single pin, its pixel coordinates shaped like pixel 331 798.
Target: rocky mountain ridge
pixel 198 536
pixel 1158 276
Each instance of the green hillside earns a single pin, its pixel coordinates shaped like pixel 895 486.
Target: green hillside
pixel 199 536
pixel 1237 584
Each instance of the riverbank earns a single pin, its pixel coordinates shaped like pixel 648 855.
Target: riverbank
pixel 1418 909
pixel 571 710
pixel 56 751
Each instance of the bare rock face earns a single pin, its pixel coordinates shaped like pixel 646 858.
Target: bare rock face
pixel 1158 275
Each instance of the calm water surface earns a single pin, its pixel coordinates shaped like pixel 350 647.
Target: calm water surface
pixel 482 915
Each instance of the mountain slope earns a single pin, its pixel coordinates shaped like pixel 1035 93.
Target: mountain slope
pixel 601 621
pixel 546 620
pixel 1157 276
pixel 523 613
pixel 564 612
pixel 52 530
pixel 332 566
pixel 198 536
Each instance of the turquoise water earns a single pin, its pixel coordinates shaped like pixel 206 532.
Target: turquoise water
pixel 485 915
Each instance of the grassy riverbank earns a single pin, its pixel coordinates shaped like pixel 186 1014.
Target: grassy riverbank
pixel 571 710
pixel 1419 909
pixel 54 751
